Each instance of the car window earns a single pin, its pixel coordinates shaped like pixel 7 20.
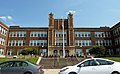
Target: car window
pixel 110 62
pixel 104 62
pixel 20 64
pixel 89 63
pixel 7 64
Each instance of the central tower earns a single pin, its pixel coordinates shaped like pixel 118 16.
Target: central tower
pixel 55 36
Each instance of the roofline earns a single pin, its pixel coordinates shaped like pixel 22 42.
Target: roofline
pixel 4 24
pixel 115 25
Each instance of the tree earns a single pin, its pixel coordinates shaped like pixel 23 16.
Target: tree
pixel 34 51
pixel 30 51
pixel 97 51
pixel 24 52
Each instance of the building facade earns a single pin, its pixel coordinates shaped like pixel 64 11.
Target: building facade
pixel 3 38
pixel 60 34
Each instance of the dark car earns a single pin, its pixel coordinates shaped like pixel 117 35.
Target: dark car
pixel 20 67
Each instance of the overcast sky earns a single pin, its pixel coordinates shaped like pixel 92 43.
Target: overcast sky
pixel 34 13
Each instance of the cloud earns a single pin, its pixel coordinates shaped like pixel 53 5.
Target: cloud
pixel 9 17
pixel 11 24
pixel 5 18
pixel 71 11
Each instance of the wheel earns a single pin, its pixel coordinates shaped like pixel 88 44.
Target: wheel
pixel 115 73
pixel 72 73
pixel 27 73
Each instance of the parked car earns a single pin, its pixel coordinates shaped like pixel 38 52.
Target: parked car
pixel 93 66
pixel 20 67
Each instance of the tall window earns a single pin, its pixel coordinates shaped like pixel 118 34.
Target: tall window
pixel 3 31
pixel 38 43
pixel 60 42
pixel 10 52
pixel 82 34
pixel 87 51
pixel 104 42
pixel 16 43
pixel 116 32
pixel 83 42
pixel 38 34
pixel 102 34
pixel 117 41
pixel 1 51
pixel 2 41
pixel 79 52
pixel 60 34
pixel 17 34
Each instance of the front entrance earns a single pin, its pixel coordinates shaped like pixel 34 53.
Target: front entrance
pixel 55 52
pixel 60 52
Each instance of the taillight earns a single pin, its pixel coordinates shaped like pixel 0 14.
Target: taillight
pixel 40 68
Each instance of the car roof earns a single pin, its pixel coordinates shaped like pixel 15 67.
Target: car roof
pixel 100 59
pixel 16 61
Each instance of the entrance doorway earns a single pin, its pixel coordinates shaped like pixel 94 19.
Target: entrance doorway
pixel 55 52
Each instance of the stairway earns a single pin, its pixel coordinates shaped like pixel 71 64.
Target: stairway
pixel 58 63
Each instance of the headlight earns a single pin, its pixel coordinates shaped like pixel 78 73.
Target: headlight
pixel 63 69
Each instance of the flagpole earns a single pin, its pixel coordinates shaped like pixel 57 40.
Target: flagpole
pixel 63 38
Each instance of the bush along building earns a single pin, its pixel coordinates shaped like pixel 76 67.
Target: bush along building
pixel 60 36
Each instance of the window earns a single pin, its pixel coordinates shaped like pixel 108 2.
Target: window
pixel 82 34
pixel 17 34
pixel 38 43
pixel 60 42
pixel 104 62
pixel 83 42
pixel 3 31
pixel 104 42
pixel 102 34
pixel 60 34
pixel 10 52
pixel 20 64
pixel 6 64
pixel 79 52
pixel 89 63
pixel 38 34
pixel 1 51
pixel 87 51
pixel 17 43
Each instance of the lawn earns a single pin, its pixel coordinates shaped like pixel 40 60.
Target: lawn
pixel 33 59
pixel 113 58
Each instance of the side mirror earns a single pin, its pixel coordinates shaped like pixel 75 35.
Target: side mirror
pixel 81 65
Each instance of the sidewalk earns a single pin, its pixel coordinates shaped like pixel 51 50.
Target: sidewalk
pixel 51 71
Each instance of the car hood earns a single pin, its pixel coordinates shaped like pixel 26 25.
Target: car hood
pixel 67 67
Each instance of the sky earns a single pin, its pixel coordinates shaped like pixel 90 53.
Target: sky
pixel 34 13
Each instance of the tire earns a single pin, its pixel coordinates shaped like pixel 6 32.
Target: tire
pixel 72 73
pixel 115 73
pixel 27 73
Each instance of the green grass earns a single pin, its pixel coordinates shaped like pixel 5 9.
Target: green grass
pixel 113 58
pixel 33 59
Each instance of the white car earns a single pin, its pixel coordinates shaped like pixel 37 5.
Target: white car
pixel 93 66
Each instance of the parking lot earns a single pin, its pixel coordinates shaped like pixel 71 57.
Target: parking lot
pixel 51 71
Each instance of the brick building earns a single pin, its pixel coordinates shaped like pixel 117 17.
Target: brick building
pixel 49 40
